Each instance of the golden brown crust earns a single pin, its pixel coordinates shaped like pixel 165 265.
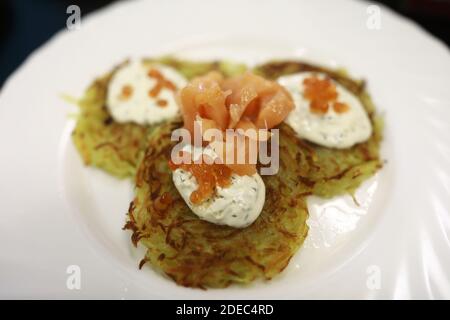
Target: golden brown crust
pixel 196 253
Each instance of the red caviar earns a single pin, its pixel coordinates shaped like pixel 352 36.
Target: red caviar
pixel 321 93
pixel 208 176
pixel 161 82
pixel 340 107
pixel 126 92
pixel 161 103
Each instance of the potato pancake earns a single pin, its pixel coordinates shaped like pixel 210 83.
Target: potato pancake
pixel 196 253
pixel 330 172
pixel 117 147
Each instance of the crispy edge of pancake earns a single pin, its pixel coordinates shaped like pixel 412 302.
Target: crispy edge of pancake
pixel 196 253
pixel 116 147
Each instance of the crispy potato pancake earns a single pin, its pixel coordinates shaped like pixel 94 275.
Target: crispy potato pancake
pixel 330 172
pixel 196 253
pixel 116 147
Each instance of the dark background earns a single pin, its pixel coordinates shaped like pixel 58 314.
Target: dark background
pixel 26 24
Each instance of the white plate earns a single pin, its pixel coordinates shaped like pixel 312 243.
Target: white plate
pixel 56 213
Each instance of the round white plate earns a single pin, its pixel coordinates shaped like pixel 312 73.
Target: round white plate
pixel 60 220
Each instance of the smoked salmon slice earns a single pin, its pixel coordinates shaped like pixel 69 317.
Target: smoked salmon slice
pixel 204 97
pixel 246 102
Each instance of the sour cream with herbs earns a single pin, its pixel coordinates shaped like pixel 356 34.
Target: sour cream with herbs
pixel 237 205
pixel 331 129
pixel 143 93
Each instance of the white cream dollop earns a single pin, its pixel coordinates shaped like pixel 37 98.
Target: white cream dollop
pixel 333 130
pixel 138 106
pixel 236 206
